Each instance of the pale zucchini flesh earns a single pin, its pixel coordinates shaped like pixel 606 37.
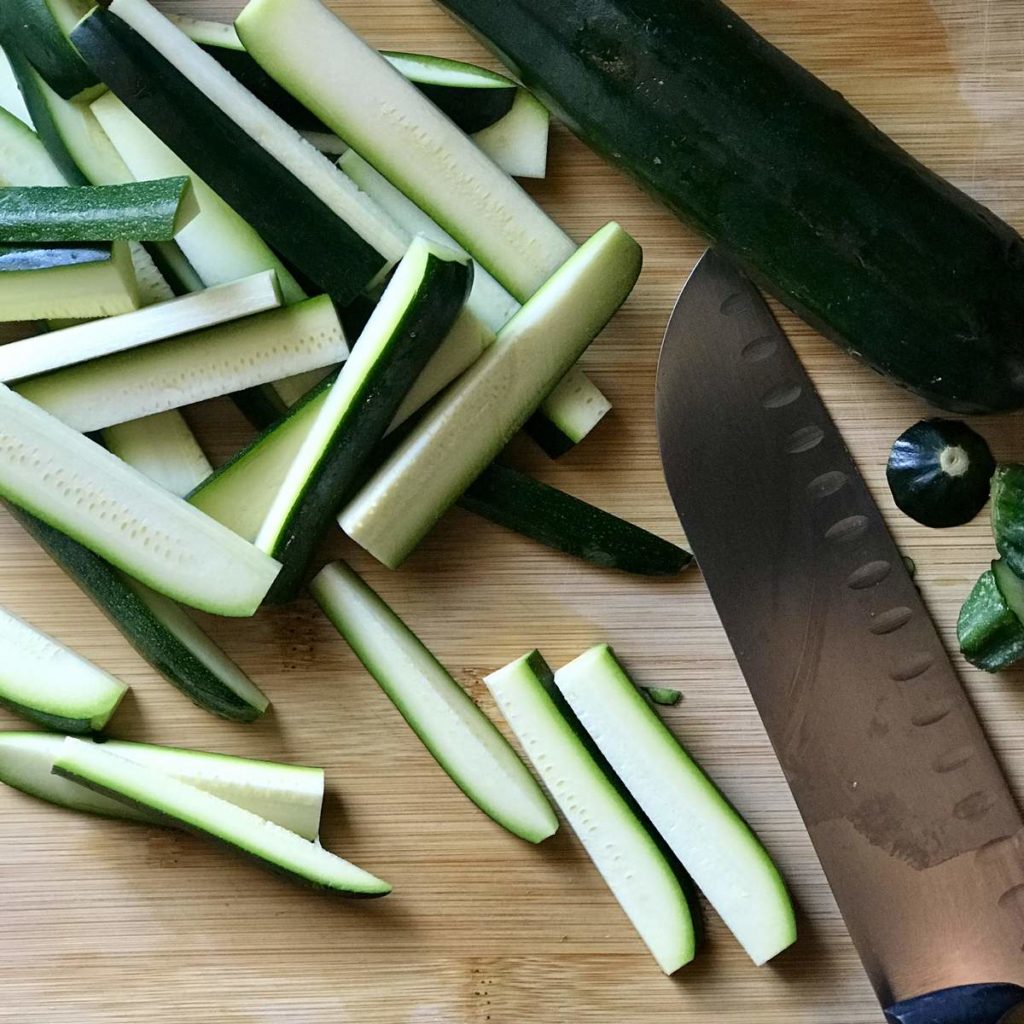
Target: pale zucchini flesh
pixel 74 485
pixel 83 283
pixel 154 322
pixel 719 851
pixel 192 367
pixel 207 815
pixel 163 448
pixel 456 732
pixel 23 157
pixel 47 683
pixel 11 98
pixel 288 795
pixel 617 841
pixel 518 143
pixel 364 100
pixel 475 419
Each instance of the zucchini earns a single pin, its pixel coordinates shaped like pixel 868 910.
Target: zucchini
pixel 11 98
pixel 179 803
pixel 477 758
pixel 161 447
pixel 292 195
pixel 48 684
pixel 990 632
pixel 940 473
pixel 518 143
pixel 192 367
pixel 417 310
pixel 1008 515
pixel 67 281
pixel 517 501
pixel 39 29
pixel 713 843
pixel 139 211
pixel 76 486
pixel 362 98
pixel 576 405
pixel 156 322
pixel 619 843
pixel 158 629
pixel 288 795
pixel 23 157
pixel 810 198
pixel 663 696
pixel 218 243
pixel 475 419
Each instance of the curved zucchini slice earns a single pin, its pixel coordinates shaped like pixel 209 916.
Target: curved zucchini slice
pixel 207 815
pixel 153 323
pixel 713 843
pixel 475 420
pixel 940 473
pixel 618 842
pixel 292 195
pixel 47 683
pixel 146 211
pixel 517 501
pixel 410 322
pixel 158 629
pixel 288 795
pixel 360 97
pixel 55 282
pixel 1008 515
pixel 192 367
pixel 240 493
pixel 989 630
pixel 23 157
pixel 40 30
pixel 461 738
pixel 76 486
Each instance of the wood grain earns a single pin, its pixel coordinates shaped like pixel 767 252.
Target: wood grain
pixel 107 922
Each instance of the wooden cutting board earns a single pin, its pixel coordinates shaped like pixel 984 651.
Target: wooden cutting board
pixel 108 922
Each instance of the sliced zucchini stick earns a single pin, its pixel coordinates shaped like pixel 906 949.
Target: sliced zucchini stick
pixel 458 734
pixel 512 499
pixel 40 29
pixel 715 845
pixel 54 282
pixel 23 157
pixel 138 211
pixel 240 493
pixel 362 98
pixel 619 843
pixel 158 629
pixel 518 143
pixel 575 406
pixel 414 315
pixel 475 419
pixel 288 795
pixel 155 322
pixel 11 98
pixel 207 815
pixel 192 367
pixel 47 683
pixel 291 194
pixel 990 632
pixel 163 448
pixel 70 482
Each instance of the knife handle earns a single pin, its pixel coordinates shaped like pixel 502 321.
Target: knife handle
pixel 967 1004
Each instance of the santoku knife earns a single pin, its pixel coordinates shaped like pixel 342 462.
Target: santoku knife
pixel 909 812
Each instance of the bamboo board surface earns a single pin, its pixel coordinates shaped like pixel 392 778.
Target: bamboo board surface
pixel 108 922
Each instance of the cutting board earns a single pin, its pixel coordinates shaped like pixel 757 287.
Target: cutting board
pixel 109 922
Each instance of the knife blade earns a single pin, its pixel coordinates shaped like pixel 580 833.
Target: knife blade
pixel 908 810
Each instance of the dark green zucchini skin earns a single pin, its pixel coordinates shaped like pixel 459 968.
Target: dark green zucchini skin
pixel 266 194
pixel 935 492
pixel 104 585
pixel 815 203
pixel 439 297
pixel 519 502
pixel 472 110
pixel 990 634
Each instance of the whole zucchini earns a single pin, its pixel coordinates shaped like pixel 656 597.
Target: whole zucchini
pixel 778 170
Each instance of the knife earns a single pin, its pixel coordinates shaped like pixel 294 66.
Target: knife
pixel 917 831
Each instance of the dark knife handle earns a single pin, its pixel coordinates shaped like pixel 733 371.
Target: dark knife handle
pixel 967 1004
